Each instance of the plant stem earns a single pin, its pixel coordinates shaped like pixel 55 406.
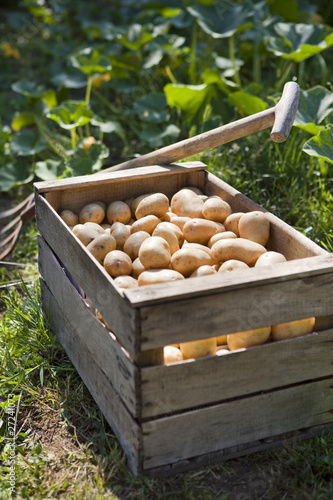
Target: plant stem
pixel 73 137
pixel 285 73
pixel 233 60
pixel 88 90
pixel 170 74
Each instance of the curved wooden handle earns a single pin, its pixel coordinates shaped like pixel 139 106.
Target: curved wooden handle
pixel 280 117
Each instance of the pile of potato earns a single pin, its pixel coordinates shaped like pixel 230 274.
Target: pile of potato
pixel 153 239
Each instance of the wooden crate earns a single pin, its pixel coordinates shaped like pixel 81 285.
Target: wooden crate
pixel 173 418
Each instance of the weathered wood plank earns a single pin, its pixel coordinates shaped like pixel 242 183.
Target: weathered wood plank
pixel 98 340
pixel 179 437
pixel 168 389
pixel 123 425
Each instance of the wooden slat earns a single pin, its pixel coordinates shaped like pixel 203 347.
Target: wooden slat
pixel 168 389
pixel 124 426
pixel 189 434
pixel 99 342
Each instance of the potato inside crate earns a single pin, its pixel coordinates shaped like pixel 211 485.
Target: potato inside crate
pixel 161 399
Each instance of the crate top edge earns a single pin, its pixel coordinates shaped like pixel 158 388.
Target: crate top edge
pixel 101 177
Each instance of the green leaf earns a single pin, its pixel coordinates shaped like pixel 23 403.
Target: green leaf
pixel 28 89
pixel 50 98
pixel 71 114
pixel 23 120
pixel 15 174
pixel 247 103
pixel 109 127
pixel 156 139
pixel 298 42
pixel 135 37
pixel 49 169
pixel 190 99
pixel 321 146
pixel 152 108
pixel 67 77
pixel 213 76
pixel 85 162
pixel 314 106
pixel 90 61
pixel 27 142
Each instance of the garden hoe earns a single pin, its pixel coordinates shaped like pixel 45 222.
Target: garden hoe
pixel 279 117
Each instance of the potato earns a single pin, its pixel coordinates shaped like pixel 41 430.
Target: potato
pixel 203 271
pixel 154 204
pixel 248 338
pixel 231 265
pixel 147 223
pixel 198 348
pixel 222 340
pixel 120 232
pixel 195 190
pixel 137 200
pixel 270 258
pixel 239 249
pixel 187 260
pixel 172 354
pixel 232 221
pixel 198 246
pixel 153 276
pixel 199 230
pixel 166 217
pixel 69 217
pixel 92 212
pixel 117 263
pixel 133 243
pixel 118 211
pixel 101 245
pixel 179 221
pixel 154 253
pixel 216 209
pixel 178 232
pixel 220 236
pixel 185 203
pixel 254 226
pixel 169 235
pixel 87 232
pixel 126 282
pixel 293 329
pixel 137 268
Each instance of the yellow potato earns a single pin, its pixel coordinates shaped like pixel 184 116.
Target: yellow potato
pixel 172 354
pixel 154 204
pixel 216 209
pixel 154 276
pixel 117 263
pixel 198 348
pixel 166 217
pixel 203 271
pixel 231 265
pixel 154 253
pixel 133 243
pixel 254 226
pixel 126 282
pixel 146 223
pixel 87 232
pixel 239 249
pixel 186 203
pixel 270 258
pixel 137 268
pixel 69 217
pixel 92 212
pixel 232 221
pixel 118 211
pixel 199 230
pixel 179 221
pixel 293 329
pixel 195 190
pixel 198 246
pixel 120 232
pixel 187 260
pixel 169 235
pixel 101 245
pixel 136 201
pixel 248 338
pixel 173 227
pixel 220 236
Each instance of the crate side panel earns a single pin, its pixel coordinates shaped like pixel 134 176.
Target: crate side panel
pixel 98 340
pixel 124 426
pixel 180 386
pixel 189 434
pixel 89 275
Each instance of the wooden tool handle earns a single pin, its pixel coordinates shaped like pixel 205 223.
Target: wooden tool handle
pixel 281 117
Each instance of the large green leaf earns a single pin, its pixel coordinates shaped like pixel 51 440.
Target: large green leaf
pixel 109 127
pixel 314 106
pixel 90 61
pixel 49 170
pixel 71 114
pixel 23 120
pixel 28 88
pixel 190 99
pixel 298 42
pixel 247 103
pixel 321 146
pixel 14 174
pixel 27 142
pixel 86 161
pixel 152 108
pixel 135 37
pixel 68 77
pixel 157 137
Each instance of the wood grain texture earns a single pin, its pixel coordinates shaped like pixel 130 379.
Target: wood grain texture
pixel 193 383
pixel 189 434
pixel 124 426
